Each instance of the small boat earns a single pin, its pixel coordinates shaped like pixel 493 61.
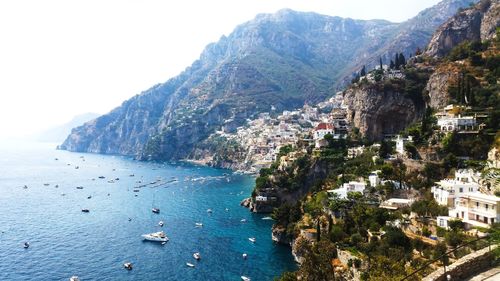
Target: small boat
pixel 89 197
pixel 129 219
pixel 127 266
pixel 56 159
pixel 26 245
pixel 155 237
pixel 77 167
pixel 267 218
pixel 131 175
pixel 190 264
pixel 136 190
pixel 161 223
pixel 56 186
pixel 85 210
pixel 197 256
pixel 101 177
pixel 74 278
pixel 252 239
pixel 199 224
pixel 155 210
pixel 243 220
pixel 25 186
pixel 79 187
pixel 244 256
pixel 244 278
pixel 46 184
pixel 227 209
pixel 117 179
pixel 209 211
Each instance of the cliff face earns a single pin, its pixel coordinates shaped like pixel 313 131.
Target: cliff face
pixel 474 24
pixel 438 84
pixel 378 112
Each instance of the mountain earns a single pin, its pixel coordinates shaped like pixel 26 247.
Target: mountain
pixel 280 61
pixel 59 133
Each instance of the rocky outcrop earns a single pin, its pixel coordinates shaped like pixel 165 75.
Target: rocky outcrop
pixel 380 112
pixel 280 236
pixel 474 24
pixel 438 84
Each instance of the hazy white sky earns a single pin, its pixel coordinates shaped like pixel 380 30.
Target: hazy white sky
pixel 60 58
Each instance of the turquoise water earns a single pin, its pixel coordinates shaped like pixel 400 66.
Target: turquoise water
pixel 65 242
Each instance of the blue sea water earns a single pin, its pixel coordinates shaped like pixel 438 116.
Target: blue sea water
pixel 65 241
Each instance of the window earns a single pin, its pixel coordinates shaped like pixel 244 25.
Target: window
pixel 461 189
pixel 486 206
pixel 477 204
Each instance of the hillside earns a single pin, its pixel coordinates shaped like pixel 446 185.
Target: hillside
pixel 281 60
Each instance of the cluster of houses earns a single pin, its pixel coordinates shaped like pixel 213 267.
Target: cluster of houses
pixel 263 137
pixel 466 200
pixel 449 119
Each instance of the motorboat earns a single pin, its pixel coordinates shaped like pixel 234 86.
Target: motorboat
pixel 25 186
pixel 155 210
pixel 161 223
pixel 101 177
pixel 197 256
pixel 85 210
pixel 244 278
pixel 26 245
pixel 190 264
pixel 198 224
pixel 89 197
pixel 74 278
pixel 79 187
pixel 245 256
pixel 155 237
pixel 252 239
pixel 46 184
pixel 127 266
pixel 209 211
pixel 267 218
pixel 243 220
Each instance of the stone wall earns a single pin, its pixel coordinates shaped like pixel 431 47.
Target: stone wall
pixel 465 267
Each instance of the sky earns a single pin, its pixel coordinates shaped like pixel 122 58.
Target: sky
pixel 61 58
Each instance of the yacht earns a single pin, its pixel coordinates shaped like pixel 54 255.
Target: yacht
pixel 128 266
pixel 244 278
pixel 197 256
pixel 252 239
pixel 155 236
pixel 155 210
pixel 198 224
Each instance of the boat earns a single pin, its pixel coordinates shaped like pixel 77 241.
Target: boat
pixel 56 186
pixel 155 237
pixel 209 211
pixel 155 210
pixel 77 167
pixel 243 220
pixel 190 264
pixel 227 209
pixel 117 179
pixel 267 218
pixel 74 278
pixel 198 224
pixel 160 223
pixel 244 278
pixel 245 256
pixel 46 184
pixel 85 210
pixel 79 187
pixel 26 245
pixel 25 186
pixel 101 177
pixel 89 197
pixel 136 190
pixel 131 175
pixel 197 256
pixel 252 239
pixel 127 266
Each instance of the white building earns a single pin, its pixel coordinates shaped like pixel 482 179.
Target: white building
pixel 395 203
pixel 447 190
pixel 374 179
pixel 451 123
pixel 261 198
pixel 476 209
pixel 352 186
pixel 320 132
pixel 400 143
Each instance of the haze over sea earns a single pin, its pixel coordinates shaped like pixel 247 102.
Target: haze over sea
pixel 64 241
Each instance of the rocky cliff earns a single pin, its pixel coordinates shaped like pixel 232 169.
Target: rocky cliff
pixel 280 60
pixel 475 24
pixel 378 111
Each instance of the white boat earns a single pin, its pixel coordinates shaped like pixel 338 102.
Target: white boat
pixel 209 211
pixel 198 224
pixel 190 264
pixel 155 236
pixel 74 278
pixel 197 256
pixel 245 256
pixel 26 245
pixel 127 266
pixel 244 278
pixel 155 210
pixel 243 220
pixel 267 218
pixel 161 223
pixel 252 239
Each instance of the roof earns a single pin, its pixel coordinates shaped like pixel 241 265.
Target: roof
pixel 324 126
pixel 481 196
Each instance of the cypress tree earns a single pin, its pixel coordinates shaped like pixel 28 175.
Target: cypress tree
pixel 363 71
pixel 396 61
pixel 391 65
pixel 318 232
pixel 380 60
pixel 402 60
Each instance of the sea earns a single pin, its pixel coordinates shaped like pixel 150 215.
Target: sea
pixel 41 204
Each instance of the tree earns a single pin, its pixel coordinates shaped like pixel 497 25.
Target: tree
pixel 397 63
pixel 392 65
pixel 380 61
pixel 318 230
pixel 402 59
pixel 363 71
